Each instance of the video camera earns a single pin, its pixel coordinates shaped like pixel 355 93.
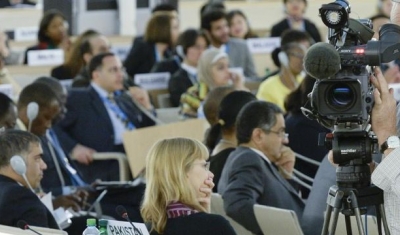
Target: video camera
pixel 342 97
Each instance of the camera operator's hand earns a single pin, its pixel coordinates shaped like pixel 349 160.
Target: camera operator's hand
pixel 384 112
pixel 286 162
pixel 395 13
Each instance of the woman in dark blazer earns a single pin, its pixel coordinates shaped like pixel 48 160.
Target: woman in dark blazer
pixel 161 33
pixel 294 10
pixel 191 44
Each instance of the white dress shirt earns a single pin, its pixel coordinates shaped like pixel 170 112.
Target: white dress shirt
pixel 387 177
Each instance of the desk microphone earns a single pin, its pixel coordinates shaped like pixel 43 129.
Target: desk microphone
pixel 121 211
pixel 22 224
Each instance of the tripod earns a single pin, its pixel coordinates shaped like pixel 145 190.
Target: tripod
pixel 349 201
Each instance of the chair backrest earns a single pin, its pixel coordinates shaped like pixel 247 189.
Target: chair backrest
pixel 138 142
pixel 274 220
pixel 217 207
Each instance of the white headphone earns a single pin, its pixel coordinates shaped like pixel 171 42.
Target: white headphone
pixel 283 59
pixel 18 165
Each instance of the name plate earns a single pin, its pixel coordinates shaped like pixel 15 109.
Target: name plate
pixel 121 51
pixel 263 45
pixel 115 227
pixel 26 34
pixel 153 81
pixel 7 89
pixel 45 57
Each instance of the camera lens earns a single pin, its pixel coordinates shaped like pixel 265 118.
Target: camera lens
pixel 340 96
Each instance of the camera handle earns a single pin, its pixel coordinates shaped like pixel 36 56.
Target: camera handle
pixel 353 199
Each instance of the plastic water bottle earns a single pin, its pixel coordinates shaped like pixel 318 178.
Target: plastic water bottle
pixel 103 226
pixel 91 228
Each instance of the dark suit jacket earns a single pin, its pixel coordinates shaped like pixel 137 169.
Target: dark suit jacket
pixel 217 164
pixel 178 84
pixel 247 179
pixel 283 25
pixel 170 65
pixel 61 72
pixel 141 58
pixel 19 203
pixel 87 122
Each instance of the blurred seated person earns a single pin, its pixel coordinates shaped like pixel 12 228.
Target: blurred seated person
pixel 294 10
pixel 276 88
pixel 98 116
pixel 215 24
pixel 213 101
pixel 8 112
pixel 73 63
pixel 9 56
pixel 221 139
pixel 159 40
pixel 239 25
pixel 62 177
pixel 192 43
pixel 90 47
pixel 304 132
pixel 17 198
pixel 52 33
pixel 391 70
pixel 212 71
pixel 178 201
pixel 250 175
pixel 15 3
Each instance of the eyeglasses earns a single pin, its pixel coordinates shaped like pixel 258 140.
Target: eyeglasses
pixel 281 134
pixel 206 165
pixel 297 55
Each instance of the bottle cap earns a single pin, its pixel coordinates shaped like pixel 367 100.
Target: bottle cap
pixel 91 222
pixel 103 222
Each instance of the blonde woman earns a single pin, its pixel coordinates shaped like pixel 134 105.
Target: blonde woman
pixel 178 190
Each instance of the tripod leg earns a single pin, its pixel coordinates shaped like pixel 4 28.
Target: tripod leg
pixel 348 225
pixel 359 221
pixel 335 220
pixel 327 219
pixel 379 218
pixel 385 223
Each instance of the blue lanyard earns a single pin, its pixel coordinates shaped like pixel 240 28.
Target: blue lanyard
pixel 120 114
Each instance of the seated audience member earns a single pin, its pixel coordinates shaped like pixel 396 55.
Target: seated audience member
pixel 15 3
pixel 177 201
pixel 193 43
pixel 159 40
pixel 295 10
pixel 213 101
pixel 250 175
pixel 304 132
pixel 239 26
pixel 8 114
pixel 209 6
pixel 62 178
pixel 212 71
pixel 10 57
pixel 89 48
pixel 221 139
pixel 74 62
pixel 214 22
pixel 17 199
pixel 276 88
pixel 98 116
pixel 52 33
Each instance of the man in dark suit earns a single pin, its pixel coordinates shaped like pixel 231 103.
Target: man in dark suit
pixel 17 200
pixel 98 116
pixel 215 24
pixel 257 172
